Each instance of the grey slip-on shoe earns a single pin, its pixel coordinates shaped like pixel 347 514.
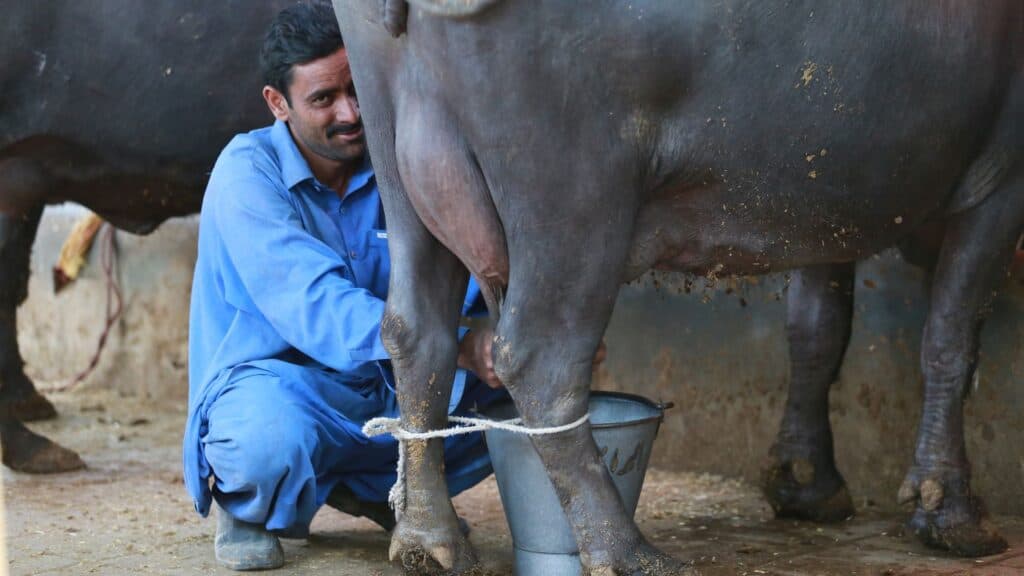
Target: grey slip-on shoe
pixel 240 545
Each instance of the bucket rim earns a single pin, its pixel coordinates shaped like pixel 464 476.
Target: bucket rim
pixel 660 407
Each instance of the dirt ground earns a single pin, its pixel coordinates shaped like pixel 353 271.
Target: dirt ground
pixel 128 513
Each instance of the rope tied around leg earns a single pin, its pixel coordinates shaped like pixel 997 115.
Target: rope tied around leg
pixel 463 425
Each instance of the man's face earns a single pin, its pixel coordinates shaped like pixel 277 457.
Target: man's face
pixel 323 113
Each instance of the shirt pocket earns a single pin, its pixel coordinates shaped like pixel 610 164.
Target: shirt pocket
pixel 377 238
pixel 378 259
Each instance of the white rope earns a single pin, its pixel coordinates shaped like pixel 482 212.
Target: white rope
pixel 464 425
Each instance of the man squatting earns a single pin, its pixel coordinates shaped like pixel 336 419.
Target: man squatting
pixel 285 356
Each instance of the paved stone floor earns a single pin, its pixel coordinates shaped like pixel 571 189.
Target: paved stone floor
pixel 128 514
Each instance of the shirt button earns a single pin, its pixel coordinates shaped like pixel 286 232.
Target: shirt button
pixel 352 254
pixel 341 210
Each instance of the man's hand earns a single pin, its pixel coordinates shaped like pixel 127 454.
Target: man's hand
pixel 475 355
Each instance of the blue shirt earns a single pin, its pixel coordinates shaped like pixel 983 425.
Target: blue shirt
pixel 287 271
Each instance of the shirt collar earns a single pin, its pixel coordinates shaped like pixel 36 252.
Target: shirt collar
pixel 361 176
pixel 295 169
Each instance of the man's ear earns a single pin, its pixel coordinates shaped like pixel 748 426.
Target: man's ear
pixel 276 102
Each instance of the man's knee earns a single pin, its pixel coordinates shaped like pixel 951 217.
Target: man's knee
pixel 248 453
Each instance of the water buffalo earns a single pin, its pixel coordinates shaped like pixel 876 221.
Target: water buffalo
pixel 121 107
pixel 556 149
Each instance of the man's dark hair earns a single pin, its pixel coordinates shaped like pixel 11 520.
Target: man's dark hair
pixel 299 34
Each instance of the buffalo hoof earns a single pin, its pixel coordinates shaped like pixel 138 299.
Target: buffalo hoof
pixel 795 488
pixel 434 550
pixel 25 451
pixel 20 400
pixel 948 517
pixel 645 561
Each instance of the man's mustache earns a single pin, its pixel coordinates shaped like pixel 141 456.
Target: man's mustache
pixel 344 129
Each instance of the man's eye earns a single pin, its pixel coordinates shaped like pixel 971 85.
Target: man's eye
pixel 320 100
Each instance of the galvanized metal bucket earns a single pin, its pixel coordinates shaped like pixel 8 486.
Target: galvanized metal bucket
pixel 624 427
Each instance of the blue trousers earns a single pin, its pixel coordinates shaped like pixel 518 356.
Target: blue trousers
pixel 279 439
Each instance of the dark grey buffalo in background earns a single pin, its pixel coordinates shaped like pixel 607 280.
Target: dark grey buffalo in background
pixel 120 106
pixel 556 149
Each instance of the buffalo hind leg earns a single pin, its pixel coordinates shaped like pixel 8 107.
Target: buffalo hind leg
pixel 23 187
pixel 543 353
pixel 976 251
pixel 801 479
pixel 18 396
pixel 419 332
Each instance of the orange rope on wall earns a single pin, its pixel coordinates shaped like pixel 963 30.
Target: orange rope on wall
pixel 72 253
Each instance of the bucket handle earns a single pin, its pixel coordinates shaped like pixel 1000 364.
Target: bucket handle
pixel 665 405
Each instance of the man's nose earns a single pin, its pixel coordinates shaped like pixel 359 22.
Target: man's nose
pixel 347 110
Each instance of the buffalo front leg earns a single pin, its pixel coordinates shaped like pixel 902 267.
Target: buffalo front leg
pixel 801 479
pixel 976 251
pixel 543 353
pixel 419 332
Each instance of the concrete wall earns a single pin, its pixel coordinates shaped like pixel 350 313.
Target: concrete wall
pixel 718 352
pixel 725 365
pixel 146 353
